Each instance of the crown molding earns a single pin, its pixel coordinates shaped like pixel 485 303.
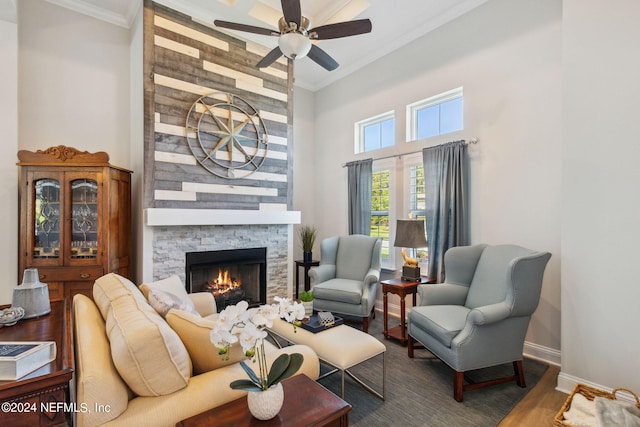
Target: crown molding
pixel 122 20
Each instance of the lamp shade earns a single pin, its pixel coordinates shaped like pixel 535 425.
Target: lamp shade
pixel 294 45
pixel 410 234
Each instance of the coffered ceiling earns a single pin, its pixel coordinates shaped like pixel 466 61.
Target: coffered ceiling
pixel 395 23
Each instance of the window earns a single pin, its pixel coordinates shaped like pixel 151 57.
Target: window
pixel 375 133
pixel 380 189
pixel 397 189
pixel 437 115
pixel 417 203
pixel 416 191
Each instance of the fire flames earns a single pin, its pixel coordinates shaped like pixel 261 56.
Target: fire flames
pixel 223 283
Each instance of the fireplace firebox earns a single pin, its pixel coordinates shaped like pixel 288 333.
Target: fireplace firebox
pixel 231 275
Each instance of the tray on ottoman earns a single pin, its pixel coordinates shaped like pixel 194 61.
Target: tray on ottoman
pixel 313 323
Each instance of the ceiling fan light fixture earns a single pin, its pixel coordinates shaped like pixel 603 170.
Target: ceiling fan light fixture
pixel 294 45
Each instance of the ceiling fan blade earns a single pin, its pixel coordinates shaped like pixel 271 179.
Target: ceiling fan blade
pixel 270 58
pixel 292 11
pixel 247 28
pixel 341 29
pixel 322 58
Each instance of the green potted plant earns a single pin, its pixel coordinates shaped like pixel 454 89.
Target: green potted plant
pixel 307 300
pixel 308 235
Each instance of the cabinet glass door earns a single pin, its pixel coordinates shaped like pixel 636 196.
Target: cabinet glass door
pixel 47 219
pixel 84 220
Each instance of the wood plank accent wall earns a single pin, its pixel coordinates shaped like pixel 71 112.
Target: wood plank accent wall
pixel 183 60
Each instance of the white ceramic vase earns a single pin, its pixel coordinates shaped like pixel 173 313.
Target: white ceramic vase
pixel 265 405
pixel 308 308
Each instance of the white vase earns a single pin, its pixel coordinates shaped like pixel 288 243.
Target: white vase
pixel 265 405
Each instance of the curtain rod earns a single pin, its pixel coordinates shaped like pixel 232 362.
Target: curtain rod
pixel 471 141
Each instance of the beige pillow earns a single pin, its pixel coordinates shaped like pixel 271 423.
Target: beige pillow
pixel 162 302
pixel 173 285
pixel 194 331
pixel 110 287
pixel 146 352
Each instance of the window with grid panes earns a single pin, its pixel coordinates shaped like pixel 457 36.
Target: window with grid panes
pixel 375 133
pixel 417 202
pixel 380 209
pixel 436 115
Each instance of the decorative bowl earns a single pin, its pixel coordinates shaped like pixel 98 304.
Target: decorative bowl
pixel 10 316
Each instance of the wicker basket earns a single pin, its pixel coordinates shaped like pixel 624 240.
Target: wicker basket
pixel 590 393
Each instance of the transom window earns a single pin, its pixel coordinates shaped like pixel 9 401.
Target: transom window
pixel 436 115
pixel 375 133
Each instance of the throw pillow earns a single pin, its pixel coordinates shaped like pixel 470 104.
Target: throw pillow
pixel 195 331
pixel 147 353
pixel 163 301
pixel 173 285
pixel 111 287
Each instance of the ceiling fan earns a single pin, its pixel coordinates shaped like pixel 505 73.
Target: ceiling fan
pixel 295 36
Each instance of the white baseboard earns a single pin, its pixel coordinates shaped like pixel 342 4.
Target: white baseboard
pixel 542 353
pixel 566 384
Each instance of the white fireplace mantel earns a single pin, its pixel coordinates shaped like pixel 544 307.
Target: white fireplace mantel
pixel 177 217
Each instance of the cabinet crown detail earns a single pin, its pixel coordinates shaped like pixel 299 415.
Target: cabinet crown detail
pixel 65 155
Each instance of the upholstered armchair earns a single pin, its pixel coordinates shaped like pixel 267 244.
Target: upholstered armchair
pixel 347 278
pixel 480 315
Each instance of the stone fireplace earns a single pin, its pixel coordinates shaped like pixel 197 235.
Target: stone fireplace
pixel 231 275
pixel 177 232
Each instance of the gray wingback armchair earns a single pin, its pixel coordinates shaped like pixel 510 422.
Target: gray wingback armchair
pixel 346 280
pixel 480 315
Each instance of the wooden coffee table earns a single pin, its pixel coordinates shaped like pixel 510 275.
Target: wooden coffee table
pixel 306 403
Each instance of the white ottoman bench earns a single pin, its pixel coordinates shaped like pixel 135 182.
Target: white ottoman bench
pixel 341 347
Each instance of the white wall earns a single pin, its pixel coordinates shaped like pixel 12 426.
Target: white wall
pixel 507 56
pixel 74 81
pixel 600 231
pixel 8 150
pixel 73 89
pixel 304 165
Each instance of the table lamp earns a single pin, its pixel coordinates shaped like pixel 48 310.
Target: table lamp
pixel 410 234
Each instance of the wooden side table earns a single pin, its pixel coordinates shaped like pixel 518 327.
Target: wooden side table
pixel 307 280
pixel 306 403
pixel 402 288
pixel 39 398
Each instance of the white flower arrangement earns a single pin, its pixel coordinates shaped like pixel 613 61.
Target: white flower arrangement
pixel 239 323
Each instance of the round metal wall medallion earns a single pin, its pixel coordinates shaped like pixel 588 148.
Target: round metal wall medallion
pixel 226 135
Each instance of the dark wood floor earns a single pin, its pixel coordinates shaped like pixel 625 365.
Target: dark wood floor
pixel 540 405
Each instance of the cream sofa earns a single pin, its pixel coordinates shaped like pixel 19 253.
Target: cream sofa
pixel 133 369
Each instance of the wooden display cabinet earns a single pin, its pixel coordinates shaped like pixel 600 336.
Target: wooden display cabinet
pixel 75 218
